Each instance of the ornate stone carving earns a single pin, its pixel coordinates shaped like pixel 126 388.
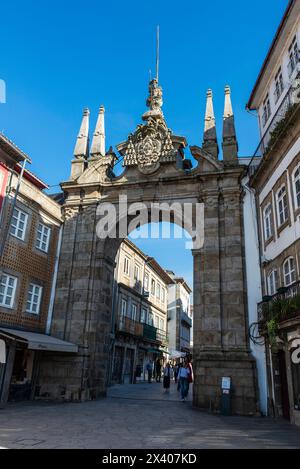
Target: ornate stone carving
pixel 70 212
pixel 151 143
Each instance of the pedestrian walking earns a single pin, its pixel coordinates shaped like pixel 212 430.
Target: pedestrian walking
pixel 149 368
pixel 168 374
pixel 183 376
pixel 158 370
pixel 191 374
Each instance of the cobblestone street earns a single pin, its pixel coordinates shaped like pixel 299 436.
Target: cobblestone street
pixel 137 416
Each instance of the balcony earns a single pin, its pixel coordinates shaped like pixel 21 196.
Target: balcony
pixel 284 305
pixel 138 329
pixel 186 319
pixel 129 326
pixel 277 125
pixel 153 333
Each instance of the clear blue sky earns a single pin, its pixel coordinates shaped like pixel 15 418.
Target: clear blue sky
pixel 57 57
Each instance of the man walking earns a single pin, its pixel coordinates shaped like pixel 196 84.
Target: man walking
pixel 183 376
pixel 149 368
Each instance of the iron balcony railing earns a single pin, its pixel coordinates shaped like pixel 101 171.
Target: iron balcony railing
pixel 265 309
pixel 185 318
pixel 139 329
pixel 290 98
pixel 130 326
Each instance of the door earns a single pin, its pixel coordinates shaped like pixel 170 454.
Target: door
pixel 118 364
pixel 128 368
pixel 284 385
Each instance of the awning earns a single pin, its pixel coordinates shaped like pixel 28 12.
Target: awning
pixel 35 341
pixel 177 354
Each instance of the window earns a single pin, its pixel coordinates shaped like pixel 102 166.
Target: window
pixel 34 299
pixel 161 324
pixel 293 56
pixel 267 216
pixel 146 282
pixel 123 307
pixel 282 207
pixel 18 224
pixel 158 290
pixel 7 290
pixel 155 321
pixel 150 318
pixel 289 271
pixel 272 282
pixel 266 110
pixel 278 85
pixel 43 237
pixel 136 273
pixel 153 287
pixel 126 265
pixel 133 312
pixel 296 178
pixel 163 294
pixel 144 315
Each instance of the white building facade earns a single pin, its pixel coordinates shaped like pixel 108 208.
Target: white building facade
pixel 276 182
pixel 179 315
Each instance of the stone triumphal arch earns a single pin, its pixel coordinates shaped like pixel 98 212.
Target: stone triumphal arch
pixel 155 171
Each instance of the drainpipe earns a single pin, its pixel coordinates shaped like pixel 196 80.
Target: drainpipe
pixel 51 303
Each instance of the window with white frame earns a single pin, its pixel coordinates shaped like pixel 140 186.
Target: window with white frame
pixel 289 273
pixel 161 324
pixel 136 273
pixel 266 110
pixel 150 318
pixel 43 237
pixel 18 224
pixel 278 85
pixel 34 296
pixel 296 180
pixel 158 290
pixel 293 56
pixel 126 265
pixel 267 216
pixel 282 205
pixel 8 286
pixel 123 307
pixel 163 294
pixel 144 315
pixel 272 282
pixel 146 282
pixel 133 312
pixel 152 287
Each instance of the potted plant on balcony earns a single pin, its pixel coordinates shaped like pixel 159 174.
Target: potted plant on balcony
pixel 282 290
pixel 266 298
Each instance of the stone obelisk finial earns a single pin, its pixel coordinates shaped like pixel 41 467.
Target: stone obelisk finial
pixel 229 144
pixel 81 150
pixel 210 143
pixel 98 142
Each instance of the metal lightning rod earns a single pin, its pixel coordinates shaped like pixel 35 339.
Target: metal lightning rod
pixel 157 51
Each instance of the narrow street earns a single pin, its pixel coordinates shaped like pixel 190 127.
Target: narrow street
pixel 137 416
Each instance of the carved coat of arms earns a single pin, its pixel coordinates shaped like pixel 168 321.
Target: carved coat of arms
pixel 151 143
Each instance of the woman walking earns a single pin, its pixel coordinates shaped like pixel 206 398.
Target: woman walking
pixel 168 374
